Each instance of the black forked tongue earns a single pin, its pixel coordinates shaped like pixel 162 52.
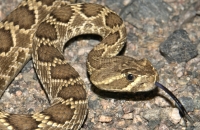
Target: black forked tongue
pixel 183 113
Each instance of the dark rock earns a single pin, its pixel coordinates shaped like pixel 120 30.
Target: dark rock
pixel 153 114
pixel 187 103
pixel 27 67
pixel 191 128
pixel 31 110
pixel 191 88
pixel 153 124
pixel 178 47
pixel 197 103
pixel 141 9
pixel 13 90
pixel 132 37
pixel 93 104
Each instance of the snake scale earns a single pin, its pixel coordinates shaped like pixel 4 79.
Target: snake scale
pixel 40 29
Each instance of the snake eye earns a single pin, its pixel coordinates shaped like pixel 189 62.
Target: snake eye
pixel 130 77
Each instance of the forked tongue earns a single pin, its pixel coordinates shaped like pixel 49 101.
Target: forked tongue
pixel 183 113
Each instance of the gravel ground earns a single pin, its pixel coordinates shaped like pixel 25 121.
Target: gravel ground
pixel 149 23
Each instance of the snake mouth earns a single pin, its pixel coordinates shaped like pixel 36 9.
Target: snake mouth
pixel 146 87
pixel 141 86
pixel 145 83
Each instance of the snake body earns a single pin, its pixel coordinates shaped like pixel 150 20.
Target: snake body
pixel 40 29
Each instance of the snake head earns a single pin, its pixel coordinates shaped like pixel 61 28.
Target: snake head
pixel 125 74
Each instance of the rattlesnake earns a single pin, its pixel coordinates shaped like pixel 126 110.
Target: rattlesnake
pixel 41 28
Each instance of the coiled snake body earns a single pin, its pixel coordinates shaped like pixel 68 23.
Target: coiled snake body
pixel 41 28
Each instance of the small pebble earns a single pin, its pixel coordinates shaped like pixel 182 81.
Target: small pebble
pixel 105 104
pixel 128 108
pixel 18 93
pixel 105 119
pixel 175 116
pixel 121 123
pixel 128 116
pixel 126 2
pixel 163 127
